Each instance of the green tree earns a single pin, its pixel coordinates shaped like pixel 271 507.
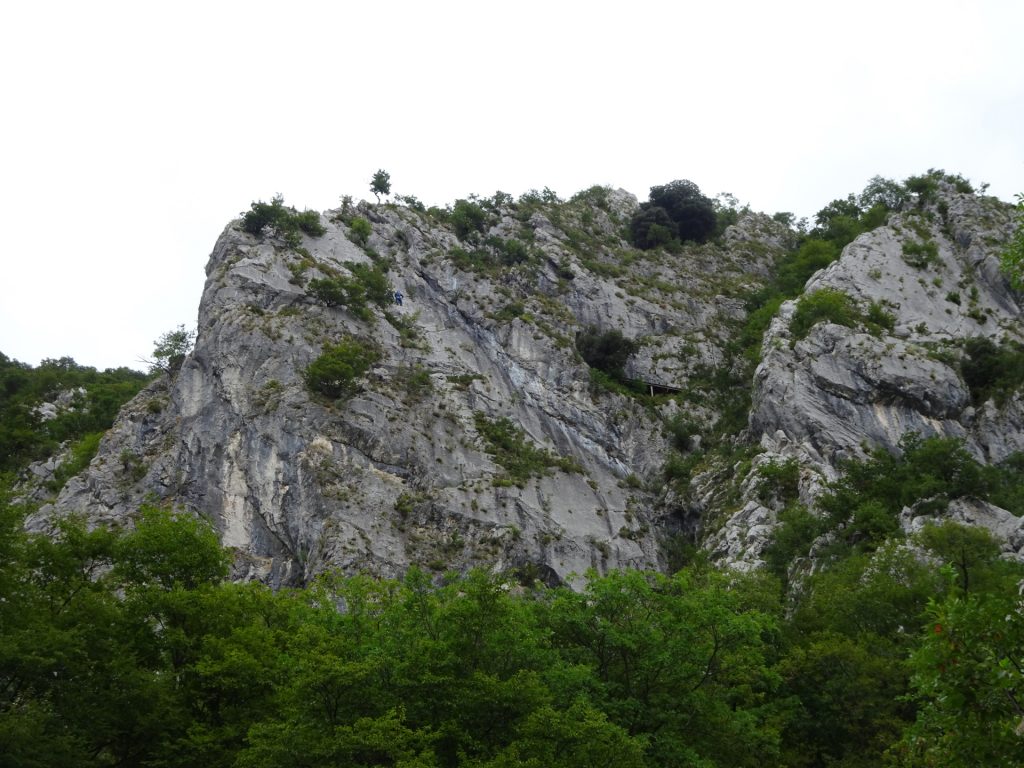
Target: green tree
pixel 360 230
pixel 381 184
pixel 681 659
pixel 674 210
pixel 692 212
pixel 968 682
pixel 171 350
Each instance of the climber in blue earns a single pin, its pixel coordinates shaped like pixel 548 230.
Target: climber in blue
pixel 398 298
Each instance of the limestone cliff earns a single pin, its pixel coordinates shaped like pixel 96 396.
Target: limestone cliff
pixel 398 471
pixel 478 367
pixel 933 270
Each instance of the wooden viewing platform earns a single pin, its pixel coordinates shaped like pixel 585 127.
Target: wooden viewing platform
pixel 655 388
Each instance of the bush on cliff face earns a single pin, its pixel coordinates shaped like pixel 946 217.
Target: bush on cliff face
pixel 334 373
pixel 824 305
pixel 606 351
pixel 468 219
pixel 368 284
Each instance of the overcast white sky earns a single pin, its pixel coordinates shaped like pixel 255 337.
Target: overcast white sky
pixel 131 133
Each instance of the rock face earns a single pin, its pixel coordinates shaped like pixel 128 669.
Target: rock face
pixel 398 472
pixel 820 399
pixel 478 436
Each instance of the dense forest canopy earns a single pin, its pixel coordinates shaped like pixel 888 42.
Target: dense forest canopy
pixel 129 648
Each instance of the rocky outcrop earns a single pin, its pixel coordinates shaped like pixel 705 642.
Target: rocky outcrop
pixel 478 436
pixel 398 472
pixel 933 269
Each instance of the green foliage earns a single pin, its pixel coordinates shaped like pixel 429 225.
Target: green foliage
pixel 93 659
pixel 468 219
pixel 93 400
pixel 519 458
pixel 171 350
pixel 82 452
pixel 921 255
pixel 794 270
pixel 359 230
pixel 334 373
pixel 678 658
pixel 823 305
pixel 676 210
pixel 926 186
pixel 842 220
pixel 494 254
pixel 838 222
pixel 1012 257
pixel 991 371
pixel 860 511
pixel 651 227
pixel 1004 483
pixel 878 318
pixel 968 549
pixel 927 474
pixel 126 647
pixel 412 202
pixel 170 550
pixel 834 306
pixel 692 212
pixel 884 192
pixel 780 481
pixel 967 682
pixel 374 281
pixel 367 285
pixel 849 702
pixel 792 537
pixel 381 184
pixel 283 219
pixel 607 351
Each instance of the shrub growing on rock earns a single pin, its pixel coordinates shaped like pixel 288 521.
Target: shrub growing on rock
pixel 334 372
pixel 608 351
pixel 827 304
pixel 359 230
pixel 467 219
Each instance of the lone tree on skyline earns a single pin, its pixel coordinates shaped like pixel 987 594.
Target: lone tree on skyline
pixel 381 184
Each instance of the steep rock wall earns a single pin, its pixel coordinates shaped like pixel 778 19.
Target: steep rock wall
pixel 398 473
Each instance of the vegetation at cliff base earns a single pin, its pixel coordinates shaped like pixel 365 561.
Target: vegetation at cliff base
pixel 128 647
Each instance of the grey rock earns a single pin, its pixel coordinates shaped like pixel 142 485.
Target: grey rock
pixel 395 475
